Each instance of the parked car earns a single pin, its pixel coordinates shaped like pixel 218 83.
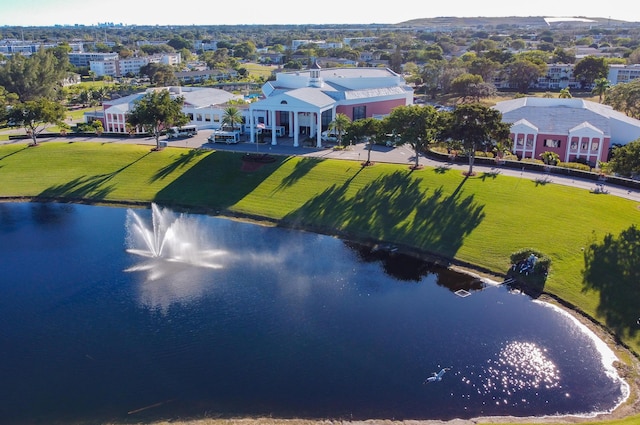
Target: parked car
pixel 329 136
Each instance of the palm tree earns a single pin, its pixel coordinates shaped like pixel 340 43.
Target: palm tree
pixel 601 85
pixel 565 93
pixel 231 117
pixel 339 125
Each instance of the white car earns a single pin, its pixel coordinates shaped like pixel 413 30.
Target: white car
pixel 329 136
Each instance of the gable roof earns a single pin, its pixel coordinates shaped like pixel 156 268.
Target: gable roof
pixel 555 116
pixel 305 98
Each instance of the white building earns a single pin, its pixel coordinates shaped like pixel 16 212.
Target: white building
pixel 623 73
pixel 85 58
pixel 304 103
pixel 204 106
pixel 116 67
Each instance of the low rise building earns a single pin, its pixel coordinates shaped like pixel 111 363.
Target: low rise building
pixel 204 106
pixel 575 129
pixel 305 102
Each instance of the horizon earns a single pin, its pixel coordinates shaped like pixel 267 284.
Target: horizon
pixel 52 13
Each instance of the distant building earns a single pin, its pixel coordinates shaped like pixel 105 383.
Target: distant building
pixel 200 76
pixel 321 44
pixel 116 67
pixel 205 46
pixel 575 129
pixel 83 59
pixel 623 73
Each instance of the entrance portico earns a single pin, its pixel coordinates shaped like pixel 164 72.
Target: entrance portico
pixel 304 107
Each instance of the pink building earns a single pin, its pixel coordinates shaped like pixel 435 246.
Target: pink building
pixel 575 129
pixel 304 103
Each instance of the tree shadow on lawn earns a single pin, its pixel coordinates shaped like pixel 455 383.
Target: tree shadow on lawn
pixel 395 208
pixel 612 267
pixel 94 187
pixel 215 182
pixel 301 169
pixel 182 161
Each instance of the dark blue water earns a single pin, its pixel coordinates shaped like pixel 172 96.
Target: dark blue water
pixel 275 322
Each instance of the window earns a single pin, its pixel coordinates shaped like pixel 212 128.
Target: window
pixel 216 118
pixel 520 140
pixel 283 118
pixel 326 119
pixel 551 143
pixel 529 140
pixel 359 112
pixel 595 144
pixel 574 143
pixel 207 117
pixel 198 117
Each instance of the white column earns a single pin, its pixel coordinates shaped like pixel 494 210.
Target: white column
pixel 319 131
pixel 567 149
pixel 252 125
pixel 296 130
pixel 291 124
pixel 272 114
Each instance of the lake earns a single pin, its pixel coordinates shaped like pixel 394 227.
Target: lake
pixel 112 314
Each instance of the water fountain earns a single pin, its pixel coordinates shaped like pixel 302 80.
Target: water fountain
pixel 170 237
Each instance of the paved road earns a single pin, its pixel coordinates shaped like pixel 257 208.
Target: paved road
pixel 398 155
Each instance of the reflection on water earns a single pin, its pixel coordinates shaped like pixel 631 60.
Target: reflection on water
pixel 520 366
pixel 280 323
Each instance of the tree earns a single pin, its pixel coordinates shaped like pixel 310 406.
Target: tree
pixel 35 115
pixel 476 127
pixel 6 99
pixel 462 85
pixel 156 111
pixel 431 75
pixel 625 97
pixel 160 74
pixel 522 73
pixel 414 125
pixel 601 85
pixel 486 68
pixel 33 77
pixel 365 129
pixel 339 125
pixel 625 160
pixel 231 117
pixel 590 69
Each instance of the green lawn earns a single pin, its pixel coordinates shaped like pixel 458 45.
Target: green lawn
pixel 479 220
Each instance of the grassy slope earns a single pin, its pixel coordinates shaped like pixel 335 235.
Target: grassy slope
pixel 479 220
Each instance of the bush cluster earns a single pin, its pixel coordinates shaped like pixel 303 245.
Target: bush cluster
pixel 541 266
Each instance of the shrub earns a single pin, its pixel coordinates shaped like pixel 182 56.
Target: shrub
pixel 542 264
pixel 574 166
pixel 532 161
pixel 550 158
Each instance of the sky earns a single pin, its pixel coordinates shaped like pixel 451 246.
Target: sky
pixel 250 12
